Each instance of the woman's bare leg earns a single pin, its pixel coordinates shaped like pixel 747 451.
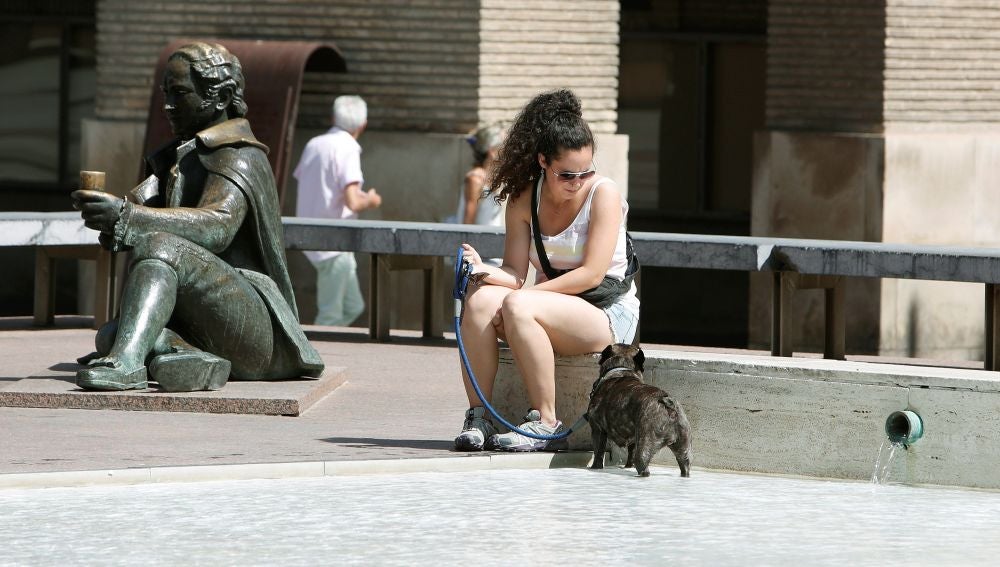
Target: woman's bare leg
pixel 541 323
pixel 479 337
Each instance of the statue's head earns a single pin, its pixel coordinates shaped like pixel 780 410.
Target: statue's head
pixel 202 86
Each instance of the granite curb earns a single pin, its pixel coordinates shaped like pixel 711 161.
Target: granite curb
pixel 305 469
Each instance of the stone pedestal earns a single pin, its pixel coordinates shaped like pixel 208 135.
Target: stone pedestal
pixel 901 186
pixel 575 377
pixel 824 186
pixel 56 387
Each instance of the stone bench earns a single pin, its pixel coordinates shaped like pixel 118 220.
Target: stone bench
pixel 817 417
pixel 60 235
pixel 807 264
pixel 394 246
pixel 794 264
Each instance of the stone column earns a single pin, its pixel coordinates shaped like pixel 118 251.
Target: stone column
pixel 882 125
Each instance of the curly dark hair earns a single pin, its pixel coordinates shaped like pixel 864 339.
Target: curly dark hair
pixel 550 124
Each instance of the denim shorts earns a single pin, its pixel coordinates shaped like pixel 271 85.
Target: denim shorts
pixel 623 317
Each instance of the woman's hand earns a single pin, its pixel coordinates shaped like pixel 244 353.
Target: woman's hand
pixel 470 255
pixel 477 271
pixel 100 210
pixel 481 273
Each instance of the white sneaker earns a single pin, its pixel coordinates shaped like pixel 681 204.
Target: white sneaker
pixel 475 431
pixel 514 441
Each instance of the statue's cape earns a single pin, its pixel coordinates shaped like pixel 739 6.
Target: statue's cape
pixel 230 149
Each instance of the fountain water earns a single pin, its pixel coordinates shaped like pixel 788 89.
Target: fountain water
pixel 881 473
pixel 902 428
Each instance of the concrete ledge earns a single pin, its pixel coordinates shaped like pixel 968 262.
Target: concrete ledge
pixel 56 388
pixel 45 229
pixel 461 462
pixel 810 417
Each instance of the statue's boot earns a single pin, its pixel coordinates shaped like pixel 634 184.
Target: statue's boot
pixel 190 371
pixel 109 374
pixel 178 366
pixel 103 341
pixel 150 294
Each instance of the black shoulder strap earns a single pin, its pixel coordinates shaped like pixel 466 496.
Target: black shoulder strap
pixel 536 233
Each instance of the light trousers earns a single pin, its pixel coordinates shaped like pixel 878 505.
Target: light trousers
pixel 338 295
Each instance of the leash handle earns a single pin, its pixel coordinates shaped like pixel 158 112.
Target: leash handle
pixel 462 270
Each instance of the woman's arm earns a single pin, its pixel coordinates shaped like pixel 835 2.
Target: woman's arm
pixel 605 220
pixel 514 269
pixel 473 191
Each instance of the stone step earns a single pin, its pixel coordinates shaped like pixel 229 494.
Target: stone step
pixel 55 387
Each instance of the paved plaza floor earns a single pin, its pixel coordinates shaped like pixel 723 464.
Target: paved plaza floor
pixel 397 400
pixel 398 404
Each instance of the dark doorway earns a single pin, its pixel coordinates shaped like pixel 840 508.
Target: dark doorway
pixel 47 86
pixel 691 95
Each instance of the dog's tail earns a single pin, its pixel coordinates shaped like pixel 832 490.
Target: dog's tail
pixel 673 410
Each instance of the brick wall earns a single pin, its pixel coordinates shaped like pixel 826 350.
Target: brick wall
pixel 423 65
pixel 863 65
pixel 528 46
pixel 942 62
pixel 824 64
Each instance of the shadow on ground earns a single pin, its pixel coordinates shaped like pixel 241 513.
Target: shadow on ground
pixel 365 442
pixel 396 338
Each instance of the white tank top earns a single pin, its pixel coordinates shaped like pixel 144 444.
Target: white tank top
pixel 488 211
pixel 565 250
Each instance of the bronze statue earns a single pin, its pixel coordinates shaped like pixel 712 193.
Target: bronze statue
pixel 208 294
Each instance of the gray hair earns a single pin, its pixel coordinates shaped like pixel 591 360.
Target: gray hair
pixel 349 112
pixel 485 139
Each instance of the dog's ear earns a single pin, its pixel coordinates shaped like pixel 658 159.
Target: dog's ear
pixel 639 359
pixel 606 353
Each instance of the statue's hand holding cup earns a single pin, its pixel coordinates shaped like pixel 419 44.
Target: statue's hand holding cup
pixel 92 180
pixel 100 210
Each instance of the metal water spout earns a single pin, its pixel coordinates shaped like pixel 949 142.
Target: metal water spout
pixel 904 427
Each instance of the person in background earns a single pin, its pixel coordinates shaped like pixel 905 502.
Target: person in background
pixel 330 181
pixel 475 204
pixel 581 216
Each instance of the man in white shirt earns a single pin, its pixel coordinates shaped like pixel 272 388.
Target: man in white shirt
pixel 330 180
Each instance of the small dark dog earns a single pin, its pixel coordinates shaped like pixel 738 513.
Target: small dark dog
pixel 635 415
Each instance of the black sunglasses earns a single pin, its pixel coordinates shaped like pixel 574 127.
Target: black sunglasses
pixel 571 175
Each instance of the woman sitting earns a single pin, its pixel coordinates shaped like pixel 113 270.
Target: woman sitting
pixel 549 151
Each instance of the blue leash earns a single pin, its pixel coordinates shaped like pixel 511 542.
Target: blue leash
pixel 463 272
